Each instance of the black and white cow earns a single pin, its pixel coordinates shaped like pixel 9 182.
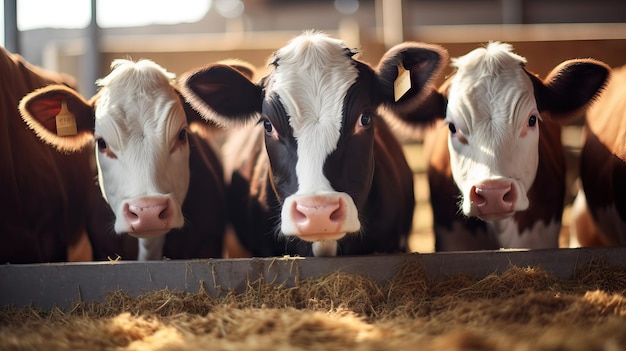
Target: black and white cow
pixel 332 179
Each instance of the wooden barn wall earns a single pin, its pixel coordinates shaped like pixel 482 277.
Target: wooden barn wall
pixel 542 56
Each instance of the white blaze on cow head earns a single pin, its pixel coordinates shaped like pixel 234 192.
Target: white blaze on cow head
pixel 142 148
pixel 495 108
pixel 311 80
pixel 139 126
pixel 318 107
pixel 494 131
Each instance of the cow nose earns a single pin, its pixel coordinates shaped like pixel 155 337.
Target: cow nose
pixel 148 214
pixel 319 217
pixel 494 198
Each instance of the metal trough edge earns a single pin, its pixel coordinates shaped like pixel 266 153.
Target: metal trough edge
pixel 62 284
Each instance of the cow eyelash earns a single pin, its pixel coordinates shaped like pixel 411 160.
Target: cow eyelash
pixel 452 128
pixel 102 145
pixel 365 120
pixel 267 125
pixel 459 135
pixel 104 148
pixel 182 135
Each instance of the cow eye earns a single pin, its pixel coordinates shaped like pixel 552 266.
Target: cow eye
pixel 268 126
pixel 452 128
pixel 102 145
pixel 182 135
pixel 365 120
pixel 532 121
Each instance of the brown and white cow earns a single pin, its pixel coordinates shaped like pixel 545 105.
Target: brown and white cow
pixel 599 212
pixel 157 174
pixel 320 173
pixel 44 195
pixel 496 164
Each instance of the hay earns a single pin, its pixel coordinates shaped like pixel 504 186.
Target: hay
pixel 520 309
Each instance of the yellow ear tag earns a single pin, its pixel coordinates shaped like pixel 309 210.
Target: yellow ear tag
pixel 402 84
pixel 66 122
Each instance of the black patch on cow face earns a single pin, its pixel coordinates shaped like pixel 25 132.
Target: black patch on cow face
pixel 350 168
pixel 281 147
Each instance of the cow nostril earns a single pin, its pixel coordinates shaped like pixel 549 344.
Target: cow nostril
pixel 477 198
pixel 164 214
pixel 297 214
pixel 339 214
pixel 510 196
pixel 130 212
pixel 507 197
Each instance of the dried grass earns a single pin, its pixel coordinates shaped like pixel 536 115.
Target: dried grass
pixel 520 309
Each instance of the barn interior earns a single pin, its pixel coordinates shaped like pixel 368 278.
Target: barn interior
pixel 586 288
pixel 546 33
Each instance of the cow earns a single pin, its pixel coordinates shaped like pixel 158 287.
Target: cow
pixel 160 175
pixel 599 211
pixel 496 166
pixel 318 171
pixel 44 195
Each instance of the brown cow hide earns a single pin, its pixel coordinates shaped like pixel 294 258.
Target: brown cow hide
pixel 45 196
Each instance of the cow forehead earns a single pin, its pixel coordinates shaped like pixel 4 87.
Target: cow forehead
pixel 312 76
pixel 490 85
pixel 137 98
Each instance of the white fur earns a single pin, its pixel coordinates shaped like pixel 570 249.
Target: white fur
pixel 324 248
pixel 139 115
pixel 312 78
pixel 490 101
pixel 540 236
pixel 151 248
pixel 501 234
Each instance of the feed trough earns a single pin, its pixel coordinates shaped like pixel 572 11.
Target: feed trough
pixel 570 299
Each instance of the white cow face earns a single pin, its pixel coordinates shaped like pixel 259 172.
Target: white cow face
pixel 142 148
pixel 494 132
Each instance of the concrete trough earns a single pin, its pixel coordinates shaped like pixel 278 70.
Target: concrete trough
pixel 62 284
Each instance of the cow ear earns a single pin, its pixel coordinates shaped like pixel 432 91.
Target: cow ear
pixel 407 75
pixel 245 68
pixel 569 89
pixel 59 116
pixel 221 94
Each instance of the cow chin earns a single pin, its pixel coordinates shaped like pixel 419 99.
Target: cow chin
pixel 148 234
pixel 495 216
pixel 316 237
pixel 324 248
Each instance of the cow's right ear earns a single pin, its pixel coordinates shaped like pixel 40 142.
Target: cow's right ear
pixel 222 94
pixel 59 116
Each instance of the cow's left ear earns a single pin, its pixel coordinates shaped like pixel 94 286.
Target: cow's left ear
pixel 407 75
pixel 59 116
pixel 221 94
pixel 569 89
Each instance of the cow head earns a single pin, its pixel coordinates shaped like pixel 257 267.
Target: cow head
pixel 139 126
pixel 494 112
pixel 318 108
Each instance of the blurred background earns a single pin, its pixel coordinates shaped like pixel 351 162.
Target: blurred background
pixel 82 37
